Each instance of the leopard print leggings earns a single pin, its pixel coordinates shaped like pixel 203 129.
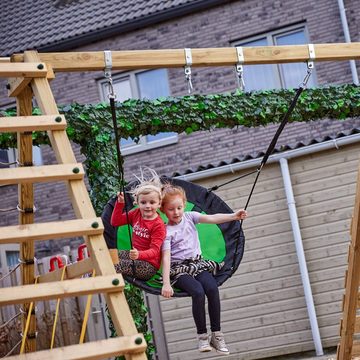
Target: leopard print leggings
pixel 143 269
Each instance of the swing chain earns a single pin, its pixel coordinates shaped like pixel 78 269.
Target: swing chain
pixel 107 73
pixel 187 69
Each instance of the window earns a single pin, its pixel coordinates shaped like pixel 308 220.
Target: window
pixel 12 258
pixel 149 84
pixel 275 76
pixel 10 156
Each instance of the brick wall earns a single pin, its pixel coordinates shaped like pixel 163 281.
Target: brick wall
pixel 219 26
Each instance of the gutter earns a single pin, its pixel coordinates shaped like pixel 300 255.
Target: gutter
pixel 306 150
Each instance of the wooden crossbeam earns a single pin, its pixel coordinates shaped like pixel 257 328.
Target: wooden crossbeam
pixel 15 86
pixel 72 271
pixel 227 56
pixel 26 70
pixel 94 350
pixel 61 289
pixel 51 230
pixel 46 173
pixel 32 123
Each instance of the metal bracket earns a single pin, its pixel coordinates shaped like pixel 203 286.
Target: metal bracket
pixel 107 72
pixel 239 67
pixel 187 68
pixel 310 62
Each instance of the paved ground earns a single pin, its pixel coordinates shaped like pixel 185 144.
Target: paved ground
pixel 329 354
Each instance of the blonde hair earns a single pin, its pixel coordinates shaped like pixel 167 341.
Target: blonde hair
pixel 147 183
pixel 170 190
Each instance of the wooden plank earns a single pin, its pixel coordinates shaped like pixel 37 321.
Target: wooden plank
pixel 32 123
pixel 352 283
pixel 90 351
pixel 47 173
pixel 357 324
pixel 26 201
pixel 118 307
pixel 51 230
pixel 61 289
pixel 28 70
pixel 72 271
pixel 355 348
pixel 167 58
pixel 15 86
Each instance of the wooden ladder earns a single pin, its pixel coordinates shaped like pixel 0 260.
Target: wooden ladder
pixel 349 347
pixel 27 79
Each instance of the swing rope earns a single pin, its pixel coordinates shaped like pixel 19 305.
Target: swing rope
pixel 271 148
pixel 120 161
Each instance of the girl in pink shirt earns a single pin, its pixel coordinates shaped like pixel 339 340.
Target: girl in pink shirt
pixel 148 230
pixel 184 267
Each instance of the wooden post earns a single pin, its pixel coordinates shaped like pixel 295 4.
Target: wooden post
pixel 26 201
pixel 352 283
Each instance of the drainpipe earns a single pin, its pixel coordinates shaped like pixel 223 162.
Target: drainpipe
pixel 345 27
pixel 301 257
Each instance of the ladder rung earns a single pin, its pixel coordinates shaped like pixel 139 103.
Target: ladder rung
pixel 32 174
pixel 32 123
pixel 100 349
pixel 60 289
pixel 72 271
pixel 23 70
pixel 51 230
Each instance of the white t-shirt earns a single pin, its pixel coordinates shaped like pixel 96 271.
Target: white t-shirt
pixel 182 239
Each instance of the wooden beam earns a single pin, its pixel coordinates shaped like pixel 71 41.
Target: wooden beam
pixel 61 289
pixel 45 173
pixel 95 350
pixel 72 271
pixel 32 123
pixel 26 201
pixel 28 70
pixel 227 56
pixel 50 230
pixel 16 85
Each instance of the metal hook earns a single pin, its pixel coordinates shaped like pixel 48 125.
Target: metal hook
pixel 107 73
pixel 239 68
pixel 187 69
pixel 310 65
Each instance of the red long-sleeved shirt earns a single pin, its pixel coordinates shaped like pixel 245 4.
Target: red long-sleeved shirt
pixel 147 235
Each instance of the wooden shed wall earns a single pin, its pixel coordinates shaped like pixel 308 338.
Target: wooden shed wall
pixel 263 306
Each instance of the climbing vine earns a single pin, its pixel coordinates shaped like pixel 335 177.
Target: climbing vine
pixel 90 126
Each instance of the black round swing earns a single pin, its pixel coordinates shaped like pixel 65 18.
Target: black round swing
pixel 224 242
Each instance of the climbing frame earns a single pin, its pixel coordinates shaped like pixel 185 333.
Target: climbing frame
pixel 28 79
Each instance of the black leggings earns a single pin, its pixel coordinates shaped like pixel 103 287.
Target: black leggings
pixel 203 284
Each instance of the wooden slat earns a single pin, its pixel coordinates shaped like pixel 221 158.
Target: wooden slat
pixel 15 86
pixel 28 70
pixel 72 271
pixel 32 123
pixel 147 59
pixel 46 173
pixel 118 307
pixel 355 348
pixel 94 350
pixel 357 324
pixel 50 230
pixel 61 289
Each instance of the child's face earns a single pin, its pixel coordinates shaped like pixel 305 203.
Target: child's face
pixel 148 204
pixel 174 209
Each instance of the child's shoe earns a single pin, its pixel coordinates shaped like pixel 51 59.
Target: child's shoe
pixel 218 343
pixel 204 345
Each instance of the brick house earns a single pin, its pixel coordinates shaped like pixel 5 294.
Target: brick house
pixel 208 157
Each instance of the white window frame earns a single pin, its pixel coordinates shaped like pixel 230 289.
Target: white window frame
pixel 270 36
pixel 142 145
pixel 36 153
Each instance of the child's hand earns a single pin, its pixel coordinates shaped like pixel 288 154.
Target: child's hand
pixel 120 197
pixel 167 291
pixel 240 214
pixel 134 254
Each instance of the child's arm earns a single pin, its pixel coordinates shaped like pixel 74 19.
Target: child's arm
pixel 166 291
pixel 158 234
pixel 222 218
pixel 118 218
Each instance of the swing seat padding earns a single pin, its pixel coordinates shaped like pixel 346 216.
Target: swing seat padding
pixel 224 242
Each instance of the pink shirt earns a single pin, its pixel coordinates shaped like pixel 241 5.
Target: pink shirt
pixel 182 239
